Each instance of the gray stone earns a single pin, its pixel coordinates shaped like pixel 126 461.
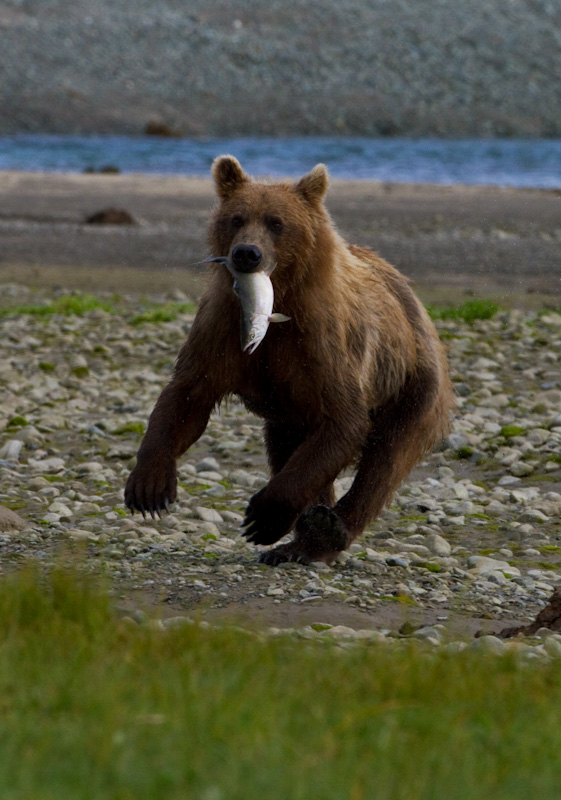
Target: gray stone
pixel 47 465
pixel 209 515
pixel 521 468
pixel 438 545
pixel 208 464
pixel 11 450
pixel 479 565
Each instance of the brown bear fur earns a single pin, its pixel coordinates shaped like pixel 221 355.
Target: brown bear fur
pixel 357 376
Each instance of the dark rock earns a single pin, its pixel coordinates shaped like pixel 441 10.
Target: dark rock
pixel 155 128
pixel 548 617
pixel 110 216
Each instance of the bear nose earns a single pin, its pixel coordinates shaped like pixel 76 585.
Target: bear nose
pixel 246 257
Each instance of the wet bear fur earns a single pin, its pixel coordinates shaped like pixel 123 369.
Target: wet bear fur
pixel 357 377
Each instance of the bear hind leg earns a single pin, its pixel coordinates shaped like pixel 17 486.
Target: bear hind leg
pixel 320 536
pixel 401 433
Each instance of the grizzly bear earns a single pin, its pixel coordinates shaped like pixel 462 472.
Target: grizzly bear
pixel 357 375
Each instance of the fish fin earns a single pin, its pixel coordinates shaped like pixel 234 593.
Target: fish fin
pixel 278 318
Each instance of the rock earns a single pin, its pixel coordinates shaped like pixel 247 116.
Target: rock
pixel 508 480
pixel 487 644
pixel 11 450
pixel 397 561
pixel 47 465
pixel 231 516
pixel 438 545
pixel 532 515
pixel 60 509
pixel 538 436
pixel 10 521
pixel 210 476
pixel 89 467
pixel 521 468
pixel 80 535
pixel 207 465
pixel 427 633
pixel 339 632
pixel 110 216
pixel 549 617
pixel 457 441
pixel 552 646
pixel 242 477
pixel 480 565
pixel 209 515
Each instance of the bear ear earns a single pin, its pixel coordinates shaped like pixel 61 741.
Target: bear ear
pixel 313 186
pixel 228 175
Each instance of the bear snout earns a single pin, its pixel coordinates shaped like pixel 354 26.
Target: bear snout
pixel 246 257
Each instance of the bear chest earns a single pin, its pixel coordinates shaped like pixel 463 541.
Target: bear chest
pixel 285 394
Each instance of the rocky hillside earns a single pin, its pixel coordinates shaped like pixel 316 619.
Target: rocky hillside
pixel 215 68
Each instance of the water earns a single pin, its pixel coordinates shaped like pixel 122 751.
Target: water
pixel 506 162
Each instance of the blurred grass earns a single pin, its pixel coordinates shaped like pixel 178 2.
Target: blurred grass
pixel 78 304
pixel 67 305
pixel 469 311
pixel 95 707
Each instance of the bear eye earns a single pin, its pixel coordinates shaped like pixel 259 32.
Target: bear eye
pixel 275 224
pixel 237 221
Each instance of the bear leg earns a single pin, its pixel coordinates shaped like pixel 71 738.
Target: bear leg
pixel 401 433
pixel 320 536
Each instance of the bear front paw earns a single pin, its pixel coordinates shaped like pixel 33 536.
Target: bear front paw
pixel 266 519
pixel 151 489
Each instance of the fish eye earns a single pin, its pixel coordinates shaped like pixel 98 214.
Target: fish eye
pixel 237 221
pixel 275 224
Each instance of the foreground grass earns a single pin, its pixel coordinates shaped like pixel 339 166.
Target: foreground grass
pixel 92 707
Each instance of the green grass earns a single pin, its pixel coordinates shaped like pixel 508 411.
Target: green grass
pixel 508 431
pixel 129 427
pixel 67 305
pixel 469 311
pixel 94 708
pixel 166 312
pixel 78 304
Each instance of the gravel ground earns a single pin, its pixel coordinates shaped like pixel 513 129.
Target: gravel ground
pixel 472 540
pixel 365 67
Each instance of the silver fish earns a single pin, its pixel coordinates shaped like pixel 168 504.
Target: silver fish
pixel 256 294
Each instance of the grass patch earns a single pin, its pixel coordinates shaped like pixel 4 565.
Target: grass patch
pixel 428 565
pixel 508 431
pixel 464 452
pixel 67 305
pixel 130 427
pixel 95 708
pixel 469 311
pixel 167 312
pixel 17 422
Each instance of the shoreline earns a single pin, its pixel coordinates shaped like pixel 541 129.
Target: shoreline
pixel 456 238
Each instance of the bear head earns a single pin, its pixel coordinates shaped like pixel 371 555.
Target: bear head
pixel 270 227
